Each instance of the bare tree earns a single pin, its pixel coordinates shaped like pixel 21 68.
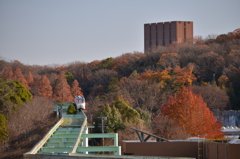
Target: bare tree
pixel 27 126
pixel 167 128
pixel 214 97
pixel 7 73
pixel 103 77
pixel 129 134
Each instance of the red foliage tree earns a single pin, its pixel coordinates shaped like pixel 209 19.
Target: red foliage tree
pixel 44 87
pixel 7 73
pixel 76 90
pixel 189 111
pixel 62 90
pixel 30 79
pixel 19 77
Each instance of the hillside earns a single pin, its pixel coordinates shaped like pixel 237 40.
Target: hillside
pixel 130 90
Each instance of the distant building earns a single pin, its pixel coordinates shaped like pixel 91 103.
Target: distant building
pixel 165 33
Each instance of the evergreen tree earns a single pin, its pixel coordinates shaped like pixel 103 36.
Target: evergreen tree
pixel 70 78
pixel 12 94
pixel 114 85
pixel 144 115
pixel 129 115
pixel 114 120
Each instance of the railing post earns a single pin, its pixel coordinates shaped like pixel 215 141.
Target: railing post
pixel 116 139
pixel 85 140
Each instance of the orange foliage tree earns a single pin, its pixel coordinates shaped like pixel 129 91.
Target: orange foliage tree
pixel 155 75
pixel 184 75
pixel 222 80
pixel 19 77
pixel 160 77
pixel 177 76
pixel 76 90
pixel 30 79
pixel 44 87
pixel 189 111
pixel 119 63
pixel 62 90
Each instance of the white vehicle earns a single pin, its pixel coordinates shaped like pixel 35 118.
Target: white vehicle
pixel 80 102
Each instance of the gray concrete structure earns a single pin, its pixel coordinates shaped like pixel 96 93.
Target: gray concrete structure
pixel 165 33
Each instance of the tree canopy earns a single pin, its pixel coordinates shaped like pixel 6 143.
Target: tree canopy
pixel 189 111
pixel 114 119
pixel 13 94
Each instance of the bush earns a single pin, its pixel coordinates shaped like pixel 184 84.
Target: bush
pixel 3 128
pixel 60 102
pixel 72 109
pixel 13 95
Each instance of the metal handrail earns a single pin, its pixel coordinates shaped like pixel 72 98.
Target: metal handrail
pixel 39 145
pixel 80 133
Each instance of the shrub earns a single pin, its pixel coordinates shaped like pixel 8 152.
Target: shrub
pixel 3 128
pixel 13 95
pixel 60 102
pixel 72 109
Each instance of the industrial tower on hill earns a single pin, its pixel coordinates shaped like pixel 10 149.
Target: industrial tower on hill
pixel 165 33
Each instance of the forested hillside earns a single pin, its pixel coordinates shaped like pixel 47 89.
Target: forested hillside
pixel 141 90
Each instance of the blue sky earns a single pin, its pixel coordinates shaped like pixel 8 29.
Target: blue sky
pixel 44 32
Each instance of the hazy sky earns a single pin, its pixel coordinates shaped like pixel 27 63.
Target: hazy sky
pixel 46 32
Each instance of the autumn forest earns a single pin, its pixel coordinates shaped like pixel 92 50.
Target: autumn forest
pixel 168 91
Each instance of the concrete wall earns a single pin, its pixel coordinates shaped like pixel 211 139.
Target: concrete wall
pixel 205 150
